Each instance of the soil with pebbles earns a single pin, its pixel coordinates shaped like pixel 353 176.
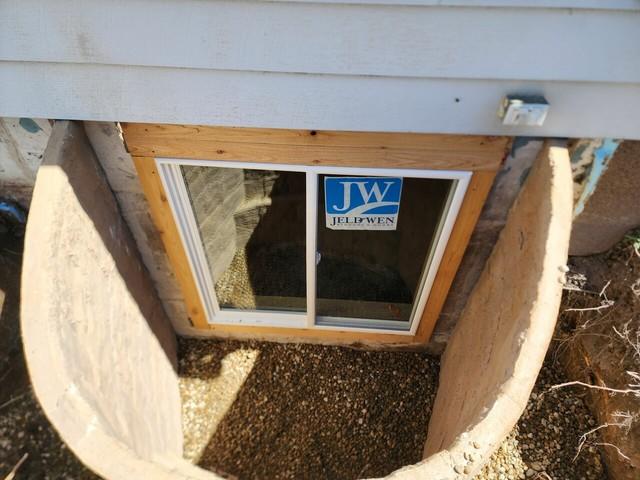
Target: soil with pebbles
pixel 602 347
pixel 544 443
pixel 305 411
pixel 25 432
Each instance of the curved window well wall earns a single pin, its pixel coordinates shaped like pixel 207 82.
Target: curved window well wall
pixel 308 233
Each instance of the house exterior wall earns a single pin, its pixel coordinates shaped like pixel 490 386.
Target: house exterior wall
pixel 413 65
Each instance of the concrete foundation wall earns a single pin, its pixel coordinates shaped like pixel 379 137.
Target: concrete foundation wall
pixel 22 145
pixel 610 206
pixel 100 351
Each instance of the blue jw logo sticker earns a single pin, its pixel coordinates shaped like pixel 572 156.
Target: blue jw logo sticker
pixel 362 203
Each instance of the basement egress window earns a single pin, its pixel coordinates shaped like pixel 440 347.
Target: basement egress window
pixel 312 247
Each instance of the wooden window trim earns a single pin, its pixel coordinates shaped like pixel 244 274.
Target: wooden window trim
pixel 359 149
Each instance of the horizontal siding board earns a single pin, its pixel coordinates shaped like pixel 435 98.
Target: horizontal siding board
pixel 330 38
pixel 322 102
pixel 577 4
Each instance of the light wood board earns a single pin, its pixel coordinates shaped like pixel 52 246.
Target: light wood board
pixel 319 148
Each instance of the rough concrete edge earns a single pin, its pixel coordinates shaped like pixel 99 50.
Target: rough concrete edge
pixel 488 430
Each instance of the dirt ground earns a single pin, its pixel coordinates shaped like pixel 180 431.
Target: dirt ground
pixel 24 429
pixel 544 443
pixel 601 345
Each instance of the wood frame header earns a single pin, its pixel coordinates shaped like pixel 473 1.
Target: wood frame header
pixel 317 147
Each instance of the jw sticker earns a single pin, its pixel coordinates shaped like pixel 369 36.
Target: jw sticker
pixel 362 203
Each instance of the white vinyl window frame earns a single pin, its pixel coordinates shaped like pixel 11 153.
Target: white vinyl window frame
pixel 178 198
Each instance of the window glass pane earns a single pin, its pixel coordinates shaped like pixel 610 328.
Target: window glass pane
pixel 252 226
pixel 372 252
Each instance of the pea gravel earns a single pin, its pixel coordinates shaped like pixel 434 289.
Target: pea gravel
pixel 544 443
pixel 303 411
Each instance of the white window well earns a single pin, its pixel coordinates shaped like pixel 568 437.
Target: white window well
pixel 294 246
